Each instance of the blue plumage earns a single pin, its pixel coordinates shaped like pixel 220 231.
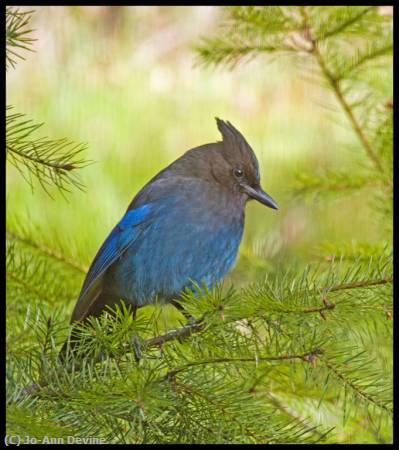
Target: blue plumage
pixel 180 247
pixel 183 227
pixel 122 236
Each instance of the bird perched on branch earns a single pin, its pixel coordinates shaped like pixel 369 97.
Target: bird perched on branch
pixel 183 227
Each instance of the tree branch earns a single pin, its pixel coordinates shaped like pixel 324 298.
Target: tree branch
pixel 200 394
pixel 314 49
pixel 30 288
pixel 200 325
pixel 46 250
pixel 37 160
pixel 308 357
pixel 361 284
pixel 355 388
pixel 292 413
pixel 182 332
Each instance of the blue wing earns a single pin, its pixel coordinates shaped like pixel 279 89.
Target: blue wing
pixel 120 238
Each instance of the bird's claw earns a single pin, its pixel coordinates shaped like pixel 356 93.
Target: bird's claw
pixel 136 348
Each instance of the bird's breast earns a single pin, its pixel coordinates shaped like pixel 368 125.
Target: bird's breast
pixel 193 241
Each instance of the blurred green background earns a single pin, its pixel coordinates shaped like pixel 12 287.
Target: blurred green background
pixel 127 81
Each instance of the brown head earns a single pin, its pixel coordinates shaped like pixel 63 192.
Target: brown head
pixel 231 163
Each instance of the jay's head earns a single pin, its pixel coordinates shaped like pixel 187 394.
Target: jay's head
pixel 230 164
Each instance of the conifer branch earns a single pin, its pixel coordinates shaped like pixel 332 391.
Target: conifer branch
pixel 292 413
pixel 304 357
pixel 46 250
pixel 345 24
pixel 179 333
pixel 200 325
pixel 17 36
pixel 334 83
pixel 361 393
pixel 348 110
pixel 52 162
pixel 333 184
pixel 361 284
pixel 29 287
pixel 192 391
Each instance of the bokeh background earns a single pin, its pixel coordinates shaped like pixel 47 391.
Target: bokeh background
pixel 127 81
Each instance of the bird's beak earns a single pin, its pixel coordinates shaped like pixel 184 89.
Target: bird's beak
pixel 257 193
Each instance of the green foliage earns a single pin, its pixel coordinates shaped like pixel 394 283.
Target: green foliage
pixel 301 355
pixel 219 384
pixel 17 35
pixel 51 162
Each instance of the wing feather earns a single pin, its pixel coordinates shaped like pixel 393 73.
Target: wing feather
pixel 121 237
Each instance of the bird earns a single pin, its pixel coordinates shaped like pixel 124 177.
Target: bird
pixel 182 229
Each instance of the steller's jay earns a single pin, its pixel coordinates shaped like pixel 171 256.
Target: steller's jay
pixel 183 228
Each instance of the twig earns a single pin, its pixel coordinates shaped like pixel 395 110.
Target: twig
pixel 360 284
pixel 314 49
pixel 292 413
pixel 339 287
pixel 212 401
pixel 46 250
pixel 355 388
pixel 304 357
pixel 36 160
pixel 29 288
pixel 182 332
pixel 347 23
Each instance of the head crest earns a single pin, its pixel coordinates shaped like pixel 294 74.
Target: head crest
pixel 232 137
pixel 229 132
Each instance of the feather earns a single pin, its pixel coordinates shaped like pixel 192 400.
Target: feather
pixel 119 240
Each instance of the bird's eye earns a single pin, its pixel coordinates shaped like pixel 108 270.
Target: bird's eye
pixel 238 173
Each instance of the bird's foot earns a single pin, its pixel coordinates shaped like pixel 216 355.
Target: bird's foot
pixel 191 320
pixel 134 340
